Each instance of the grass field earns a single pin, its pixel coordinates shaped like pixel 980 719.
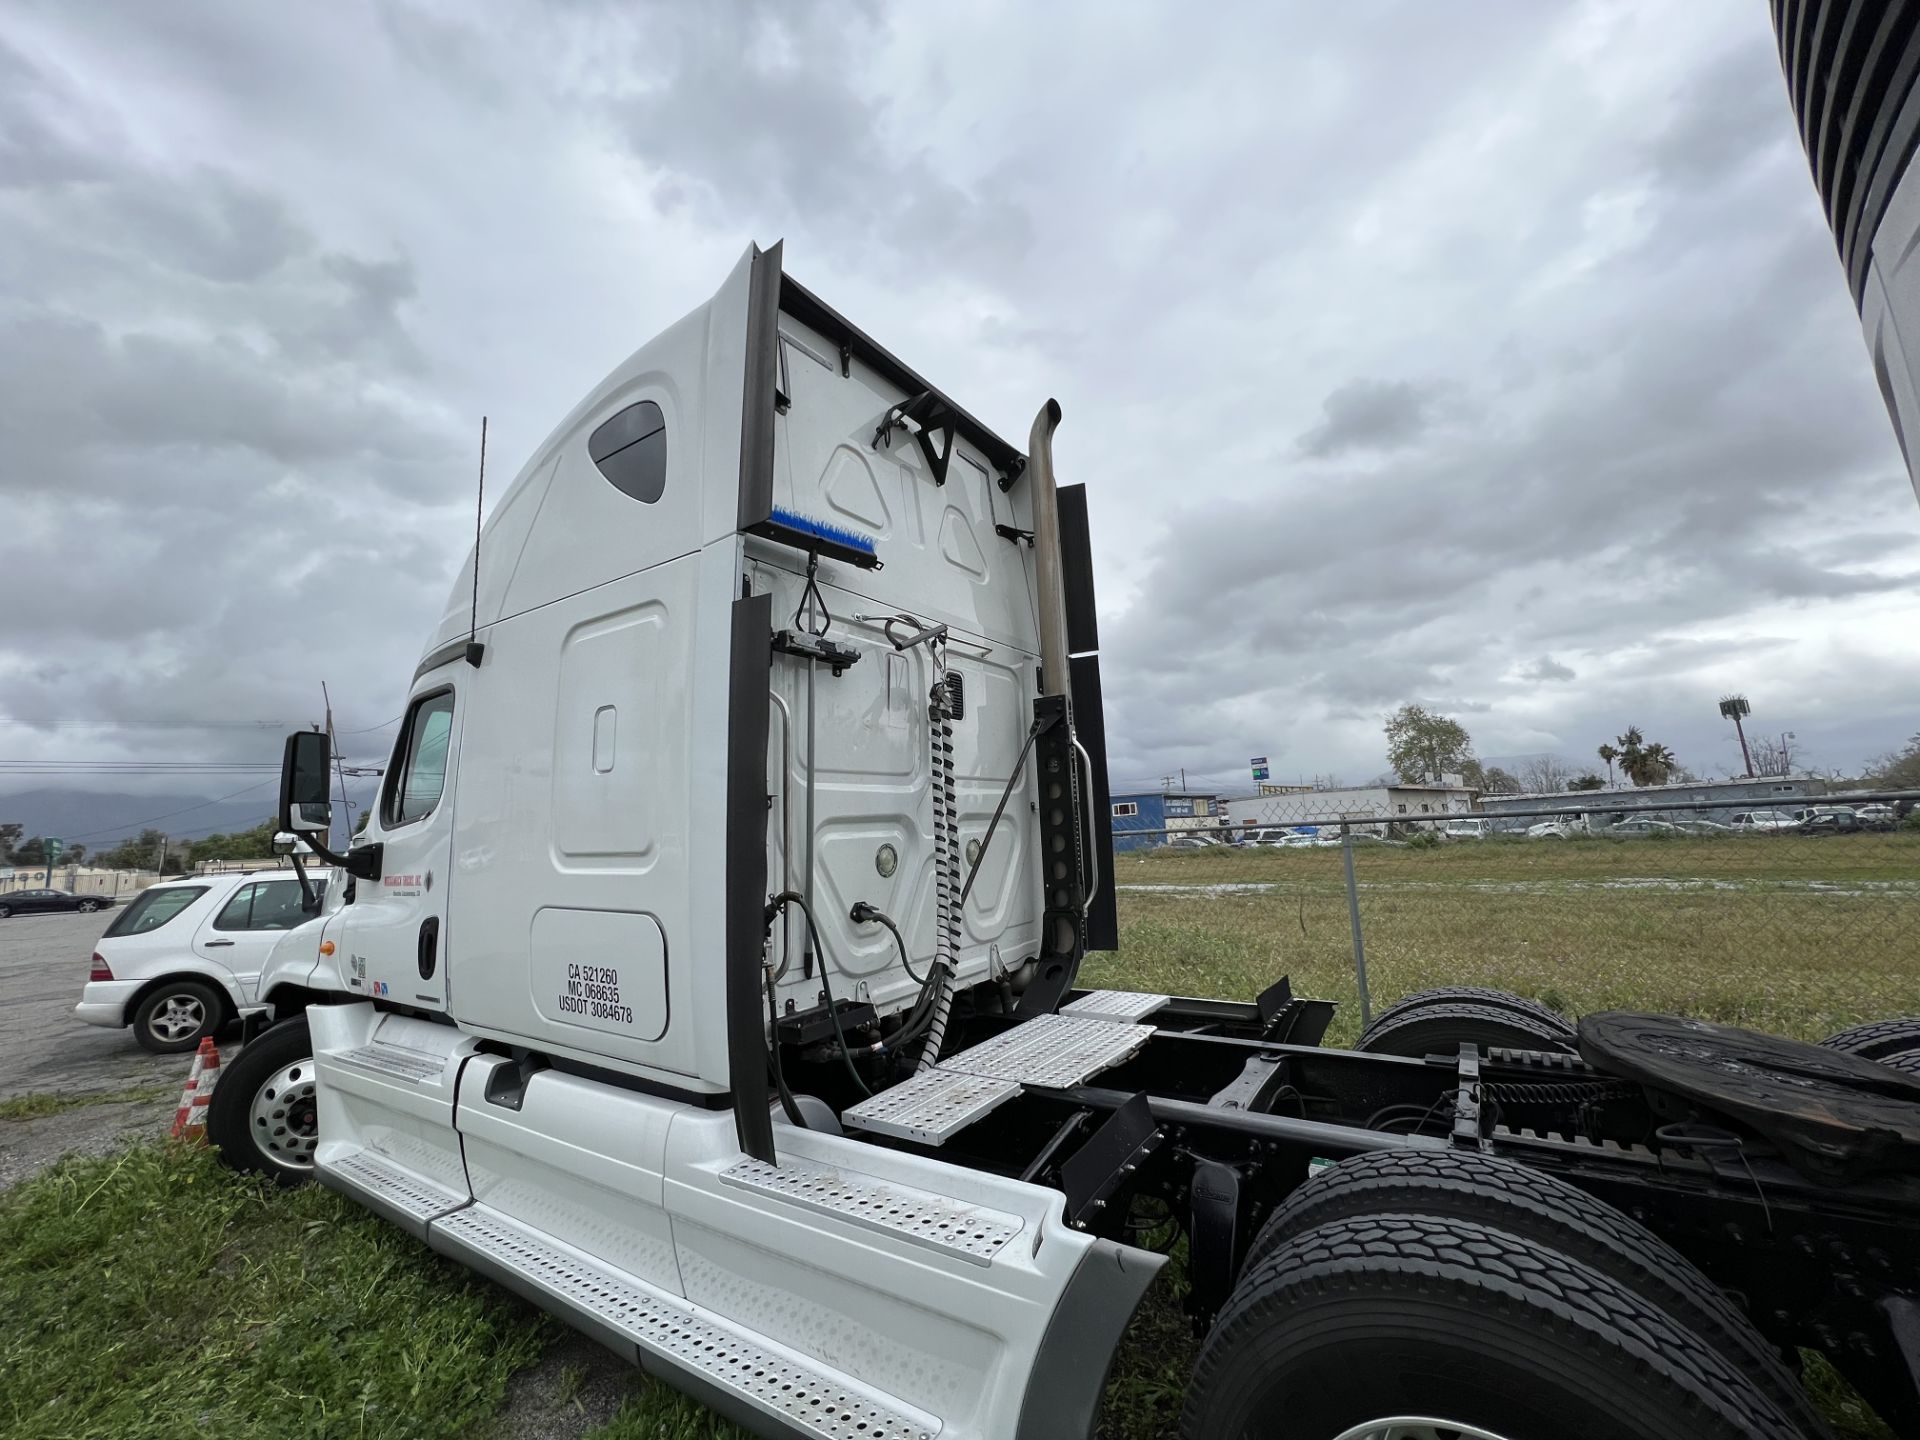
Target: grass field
pixel 1798 936
pixel 153 1295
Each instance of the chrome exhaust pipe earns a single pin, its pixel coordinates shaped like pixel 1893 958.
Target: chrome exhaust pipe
pixel 1046 552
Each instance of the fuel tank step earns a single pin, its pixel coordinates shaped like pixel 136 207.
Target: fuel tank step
pixel 743 1376
pixel 387 1189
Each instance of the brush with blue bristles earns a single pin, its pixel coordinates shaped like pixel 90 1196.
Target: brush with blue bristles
pixel 819 537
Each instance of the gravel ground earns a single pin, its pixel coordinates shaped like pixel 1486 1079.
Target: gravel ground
pixel 44 1050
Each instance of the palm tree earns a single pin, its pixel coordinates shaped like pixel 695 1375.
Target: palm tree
pixel 1631 749
pixel 1608 754
pixel 1659 763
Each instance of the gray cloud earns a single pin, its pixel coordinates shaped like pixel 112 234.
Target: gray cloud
pixel 1368 414
pixel 1465 368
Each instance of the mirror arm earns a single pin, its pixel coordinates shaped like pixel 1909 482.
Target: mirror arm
pixel 309 901
pixel 360 861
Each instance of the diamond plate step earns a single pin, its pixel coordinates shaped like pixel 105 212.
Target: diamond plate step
pixel 972 1232
pixel 394 1061
pixel 1051 1050
pixel 932 1107
pixel 380 1179
pixel 804 1396
pixel 1122 1005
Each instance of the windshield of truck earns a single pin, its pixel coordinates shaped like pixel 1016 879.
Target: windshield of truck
pixel 153 908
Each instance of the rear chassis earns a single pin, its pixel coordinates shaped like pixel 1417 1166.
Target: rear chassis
pixel 1229 1106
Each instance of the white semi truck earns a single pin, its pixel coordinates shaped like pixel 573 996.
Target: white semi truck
pixel 709 977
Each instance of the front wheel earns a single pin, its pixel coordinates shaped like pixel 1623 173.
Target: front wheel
pixel 5 910
pixel 87 907
pixel 263 1116
pixel 1407 1325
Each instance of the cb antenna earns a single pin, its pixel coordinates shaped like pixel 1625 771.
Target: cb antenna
pixel 474 648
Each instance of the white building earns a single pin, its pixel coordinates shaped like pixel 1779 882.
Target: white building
pixel 1399 803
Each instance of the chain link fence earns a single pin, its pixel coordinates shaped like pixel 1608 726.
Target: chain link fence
pixel 1802 917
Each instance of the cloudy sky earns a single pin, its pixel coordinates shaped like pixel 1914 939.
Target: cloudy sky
pixel 1492 356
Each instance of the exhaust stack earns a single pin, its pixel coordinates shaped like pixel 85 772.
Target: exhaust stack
pixel 1046 551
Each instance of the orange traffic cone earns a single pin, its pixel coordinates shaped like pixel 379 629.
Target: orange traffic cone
pixel 190 1120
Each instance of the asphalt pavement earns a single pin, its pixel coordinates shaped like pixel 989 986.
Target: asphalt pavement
pixel 44 1050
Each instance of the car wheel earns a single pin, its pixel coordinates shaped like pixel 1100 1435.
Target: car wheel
pixel 1392 1327
pixel 263 1115
pixel 87 907
pixel 5 910
pixel 176 1016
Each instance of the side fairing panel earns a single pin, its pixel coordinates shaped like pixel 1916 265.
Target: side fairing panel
pixel 587 854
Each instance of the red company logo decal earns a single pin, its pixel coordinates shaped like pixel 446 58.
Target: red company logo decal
pixel 401 882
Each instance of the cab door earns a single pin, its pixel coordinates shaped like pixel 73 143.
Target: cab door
pixel 394 933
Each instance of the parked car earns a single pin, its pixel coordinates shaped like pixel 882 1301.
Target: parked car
pixel 1466 830
pixel 1764 822
pixel 41 902
pixel 1558 828
pixel 1643 825
pixel 1876 817
pixel 184 957
pixel 1191 842
pixel 1830 820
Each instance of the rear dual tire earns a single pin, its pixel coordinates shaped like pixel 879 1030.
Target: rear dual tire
pixel 1439 1024
pixel 1879 1040
pixel 1414 1325
pixel 1547 1212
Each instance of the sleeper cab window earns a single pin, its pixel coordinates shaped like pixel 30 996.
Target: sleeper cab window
pixel 630 449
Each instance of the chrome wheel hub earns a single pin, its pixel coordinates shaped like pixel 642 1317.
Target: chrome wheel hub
pixel 285 1118
pixel 1411 1427
pixel 177 1017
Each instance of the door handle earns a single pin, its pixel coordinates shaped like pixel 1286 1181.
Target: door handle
pixel 212 943
pixel 429 944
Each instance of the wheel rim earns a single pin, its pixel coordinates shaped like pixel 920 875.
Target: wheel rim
pixel 285 1117
pixel 1410 1427
pixel 176 1018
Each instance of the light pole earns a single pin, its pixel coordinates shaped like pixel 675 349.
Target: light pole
pixel 1733 707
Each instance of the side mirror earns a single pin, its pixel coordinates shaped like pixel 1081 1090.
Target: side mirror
pixel 304 782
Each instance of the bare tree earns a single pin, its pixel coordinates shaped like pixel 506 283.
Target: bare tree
pixel 1773 755
pixel 1544 774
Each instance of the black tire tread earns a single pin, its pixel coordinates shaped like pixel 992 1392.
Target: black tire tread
pixel 1475 995
pixel 231 1108
pixel 1547 1211
pixel 1907 1062
pixel 1509 1028
pixel 1492 1274
pixel 1878 1039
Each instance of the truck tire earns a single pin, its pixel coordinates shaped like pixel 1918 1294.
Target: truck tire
pixel 1549 1212
pixel 1363 1321
pixel 1442 1029
pixel 1475 995
pixel 176 1015
pixel 1907 1062
pixel 262 1116
pixel 1879 1039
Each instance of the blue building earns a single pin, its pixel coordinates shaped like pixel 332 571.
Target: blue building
pixel 1155 811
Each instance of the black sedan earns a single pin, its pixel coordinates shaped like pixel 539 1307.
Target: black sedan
pixel 35 902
